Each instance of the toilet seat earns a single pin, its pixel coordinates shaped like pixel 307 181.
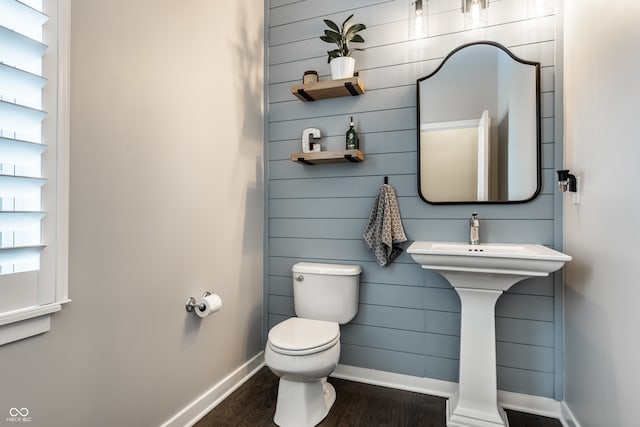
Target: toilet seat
pixel 297 336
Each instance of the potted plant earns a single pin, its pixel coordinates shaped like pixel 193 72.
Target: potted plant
pixel 342 64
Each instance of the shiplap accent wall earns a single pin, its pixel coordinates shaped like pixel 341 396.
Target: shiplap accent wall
pixel 409 319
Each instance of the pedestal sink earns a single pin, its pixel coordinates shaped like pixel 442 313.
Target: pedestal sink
pixel 480 274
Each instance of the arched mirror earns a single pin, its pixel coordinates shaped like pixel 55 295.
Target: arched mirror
pixel 479 128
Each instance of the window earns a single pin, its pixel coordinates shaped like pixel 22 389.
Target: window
pixel 33 165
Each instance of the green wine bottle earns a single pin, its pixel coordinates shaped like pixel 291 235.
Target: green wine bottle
pixel 352 137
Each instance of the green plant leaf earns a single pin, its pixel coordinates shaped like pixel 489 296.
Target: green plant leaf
pixel 336 37
pixel 342 36
pixel 355 28
pixel 346 20
pixel 332 25
pixel 333 54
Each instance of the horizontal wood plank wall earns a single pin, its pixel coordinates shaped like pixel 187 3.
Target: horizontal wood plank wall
pixel 409 319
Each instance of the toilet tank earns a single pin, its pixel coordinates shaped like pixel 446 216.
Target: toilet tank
pixel 326 291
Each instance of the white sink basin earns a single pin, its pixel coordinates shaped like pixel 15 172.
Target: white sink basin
pixel 480 274
pixel 485 263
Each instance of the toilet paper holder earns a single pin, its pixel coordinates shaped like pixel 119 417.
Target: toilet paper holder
pixel 191 305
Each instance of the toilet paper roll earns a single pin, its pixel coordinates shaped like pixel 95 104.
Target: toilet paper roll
pixel 211 304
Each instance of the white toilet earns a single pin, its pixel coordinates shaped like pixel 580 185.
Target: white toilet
pixel 304 350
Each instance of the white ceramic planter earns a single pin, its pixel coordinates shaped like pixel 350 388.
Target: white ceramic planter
pixel 342 67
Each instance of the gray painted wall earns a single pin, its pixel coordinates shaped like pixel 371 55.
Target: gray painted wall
pixel 166 202
pixel 602 293
pixel 409 319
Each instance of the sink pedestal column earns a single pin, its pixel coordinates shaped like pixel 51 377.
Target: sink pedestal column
pixel 480 274
pixel 476 402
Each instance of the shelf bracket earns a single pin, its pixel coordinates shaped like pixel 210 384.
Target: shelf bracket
pixel 352 90
pixel 306 162
pixel 305 95
pixel 350 158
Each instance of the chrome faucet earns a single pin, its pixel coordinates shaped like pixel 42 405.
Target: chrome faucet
pixel 474 229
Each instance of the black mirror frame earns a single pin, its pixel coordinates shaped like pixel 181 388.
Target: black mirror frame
pixel 538 127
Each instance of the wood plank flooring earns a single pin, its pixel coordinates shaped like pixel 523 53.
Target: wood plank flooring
pixel 357 404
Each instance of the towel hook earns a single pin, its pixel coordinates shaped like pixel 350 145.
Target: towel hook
pixel 386 179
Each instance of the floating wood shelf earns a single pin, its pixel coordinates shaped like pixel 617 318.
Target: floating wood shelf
pixel 341 156
pixel 328 89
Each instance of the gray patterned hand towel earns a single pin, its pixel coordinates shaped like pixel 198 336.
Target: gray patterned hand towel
pixel 384 231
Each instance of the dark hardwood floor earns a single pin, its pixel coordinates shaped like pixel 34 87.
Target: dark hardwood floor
pixel 357 404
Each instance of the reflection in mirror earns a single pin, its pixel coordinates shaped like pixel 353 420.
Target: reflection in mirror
pixel 479 128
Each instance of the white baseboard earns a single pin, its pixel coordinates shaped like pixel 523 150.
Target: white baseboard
pixel 202 405
pixel 537 405
pixel 398 381
pixel 566 416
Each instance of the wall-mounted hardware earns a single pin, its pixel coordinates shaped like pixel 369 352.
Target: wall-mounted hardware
pixel 192 305
pixel 570 183
pixel 418 18
pixel 309 143
pixel 208 304
pixel 567 181
pixel 476 13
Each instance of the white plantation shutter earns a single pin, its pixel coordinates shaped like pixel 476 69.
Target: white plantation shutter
pixel 32 167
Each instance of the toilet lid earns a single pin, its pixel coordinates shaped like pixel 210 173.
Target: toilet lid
pixel 297 335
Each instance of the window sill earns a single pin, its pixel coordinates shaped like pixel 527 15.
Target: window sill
pixel 20 324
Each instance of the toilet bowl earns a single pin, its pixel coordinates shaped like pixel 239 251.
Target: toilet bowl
pixel 304 350
pixel 303 362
